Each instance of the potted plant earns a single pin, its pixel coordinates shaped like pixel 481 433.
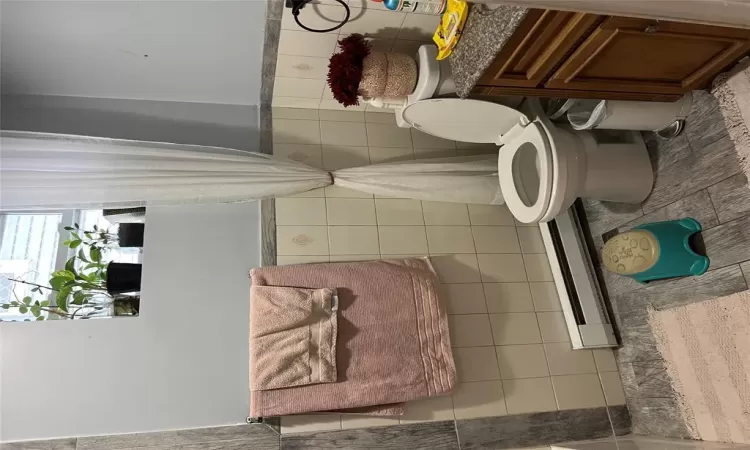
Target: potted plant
pixel 118 277
pixel 128 235
pixel 96 238
pixel 123 277
pixel 74 288
pixel 86 283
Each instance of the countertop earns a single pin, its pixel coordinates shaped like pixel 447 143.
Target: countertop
pixel 484 35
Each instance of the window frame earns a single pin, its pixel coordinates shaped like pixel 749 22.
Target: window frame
pixel 69 218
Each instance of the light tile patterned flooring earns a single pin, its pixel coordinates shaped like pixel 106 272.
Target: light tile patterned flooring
pixel 510 344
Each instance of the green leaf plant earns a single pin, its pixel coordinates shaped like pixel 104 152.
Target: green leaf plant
pixel 82 283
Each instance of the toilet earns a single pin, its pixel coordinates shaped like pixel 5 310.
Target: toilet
pixel 542 166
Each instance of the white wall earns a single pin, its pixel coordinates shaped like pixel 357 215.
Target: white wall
pixel 80 67
pixel 183 363
pixel 198 51
pixel 233 126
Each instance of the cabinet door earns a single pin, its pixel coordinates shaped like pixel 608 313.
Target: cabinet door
pixel 541 41
pixel 649 56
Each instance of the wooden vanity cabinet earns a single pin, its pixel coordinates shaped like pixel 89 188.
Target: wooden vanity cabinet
pixel 641 55
pixel 577 55
pixel 538 45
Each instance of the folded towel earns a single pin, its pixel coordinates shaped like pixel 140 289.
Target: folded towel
pixel 393 344
pixel 292 336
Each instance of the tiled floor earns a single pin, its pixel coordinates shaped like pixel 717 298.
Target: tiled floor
pixel 697 175
pixel 510 344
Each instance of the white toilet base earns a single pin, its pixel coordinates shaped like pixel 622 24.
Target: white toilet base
pixel 616 171
pixel 600 164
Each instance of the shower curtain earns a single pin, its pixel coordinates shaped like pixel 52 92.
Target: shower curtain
pixel 53 171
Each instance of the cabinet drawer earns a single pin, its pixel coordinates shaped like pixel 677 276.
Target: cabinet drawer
pixel 650 56
pixel 540 42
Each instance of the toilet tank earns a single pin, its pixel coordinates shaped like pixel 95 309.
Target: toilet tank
pixel 446 85
pixel 434 78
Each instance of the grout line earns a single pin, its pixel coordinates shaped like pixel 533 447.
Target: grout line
pixel 473 238
pixel 424 222
pixel 455 428
pixel 328 235
pixel 377 227
pixel 453 409
pixel 520 249
pixel 606 407
pixel 711 201
pixel 549 371
pixel 374 203
pixel 325 201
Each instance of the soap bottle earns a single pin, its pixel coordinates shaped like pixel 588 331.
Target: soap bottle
pixel 420 6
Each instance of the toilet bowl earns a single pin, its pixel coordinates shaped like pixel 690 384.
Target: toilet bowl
pixel 542 167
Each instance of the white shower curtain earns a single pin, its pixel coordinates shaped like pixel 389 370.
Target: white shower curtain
pixel 52 171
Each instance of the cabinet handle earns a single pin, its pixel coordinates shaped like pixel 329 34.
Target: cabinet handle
pixel 651 29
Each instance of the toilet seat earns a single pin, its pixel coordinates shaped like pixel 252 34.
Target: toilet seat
pixel 526 169
pixel 528 166
pixel 542 167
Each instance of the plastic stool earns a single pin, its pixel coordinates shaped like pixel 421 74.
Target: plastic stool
pixel 654 251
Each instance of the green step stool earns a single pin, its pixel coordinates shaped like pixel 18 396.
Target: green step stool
pixel 655 251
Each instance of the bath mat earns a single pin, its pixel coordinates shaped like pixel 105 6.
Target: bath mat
pixel 706 347
pixel 732 90
pixel 393 343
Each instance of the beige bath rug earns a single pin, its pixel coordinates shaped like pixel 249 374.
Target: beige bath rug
pixel 707 351
pixel 732 90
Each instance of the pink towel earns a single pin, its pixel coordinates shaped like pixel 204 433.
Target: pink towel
pixel 393 343
pixel 292 337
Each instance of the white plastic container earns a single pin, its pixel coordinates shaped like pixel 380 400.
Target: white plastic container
pixel 625 115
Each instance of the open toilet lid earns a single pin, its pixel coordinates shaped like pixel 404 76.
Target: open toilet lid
pixel 462 120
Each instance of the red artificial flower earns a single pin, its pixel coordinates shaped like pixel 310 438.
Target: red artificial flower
pixel 345 69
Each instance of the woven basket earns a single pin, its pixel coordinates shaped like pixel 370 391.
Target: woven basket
pixel 389 75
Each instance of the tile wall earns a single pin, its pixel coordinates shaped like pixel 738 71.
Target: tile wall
pixel 302 64
pixel 510 343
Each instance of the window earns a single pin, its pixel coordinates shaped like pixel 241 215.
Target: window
pixel 31 249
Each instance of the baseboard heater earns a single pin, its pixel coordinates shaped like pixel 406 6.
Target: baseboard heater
pixel 580 294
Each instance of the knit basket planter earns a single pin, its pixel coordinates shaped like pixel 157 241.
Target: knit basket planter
pixel 388 75
pixel 356 71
